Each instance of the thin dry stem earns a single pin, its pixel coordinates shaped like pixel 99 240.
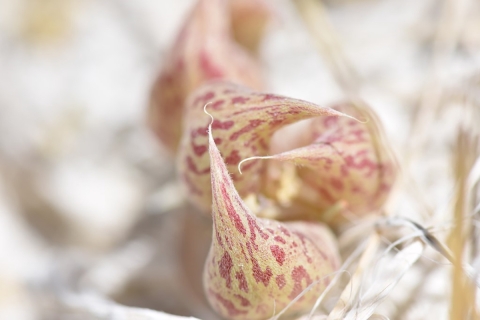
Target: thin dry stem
pixel 463 290
pixel 345 302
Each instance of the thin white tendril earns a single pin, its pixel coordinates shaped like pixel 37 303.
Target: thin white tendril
pixel 351 117
pixel 343 269
pixel 252 158
pixel 211 122
pixel 415 234
pixel 327 289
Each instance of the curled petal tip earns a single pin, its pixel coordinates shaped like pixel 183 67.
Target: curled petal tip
pixel 251 158
pixel 207 113
pixel 244 124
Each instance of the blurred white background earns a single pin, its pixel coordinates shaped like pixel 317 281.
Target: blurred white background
pixel 79 169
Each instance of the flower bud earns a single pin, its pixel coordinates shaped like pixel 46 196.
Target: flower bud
pixel 341 165
pixel 203 50
pixel 256 266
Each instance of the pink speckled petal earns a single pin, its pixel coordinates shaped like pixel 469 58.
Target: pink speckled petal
pixel 203 50
pixel 253 262
pixel 244 122
pixel 343 161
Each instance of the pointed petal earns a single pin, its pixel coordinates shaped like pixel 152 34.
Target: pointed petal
pixel 244 123
pixel 343 161
pixel 253 262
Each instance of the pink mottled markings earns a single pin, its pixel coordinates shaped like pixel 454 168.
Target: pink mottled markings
pixel 240 99
pixel 278 253
pixel 242 120
pixel 298 275
pixel 225 125
pixel 217 105
pixel 243 301
pixel 254 230
pixel 258 274
pixel 234 157
pixel 260 260
pixel 232 213
pixel 225 268
pixel 339 160
pixel 226 304
pixel 280 280
pixel 208 67
pixel 267 97
pixel 242 281
pixel 306 254
pixel 203 50
pixel 199 150
pixel 205 97
pixel 279 239
pixel 284 231
pixel 252 124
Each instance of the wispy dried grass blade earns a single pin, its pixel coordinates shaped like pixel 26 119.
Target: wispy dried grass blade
pixel 351 291
pixel 462 304
pixel 352 257
pixel 389 274
pixel 421 232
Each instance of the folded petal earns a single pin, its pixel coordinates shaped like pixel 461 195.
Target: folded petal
pixel 256 266
pixel 244 122
pixel 342 161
